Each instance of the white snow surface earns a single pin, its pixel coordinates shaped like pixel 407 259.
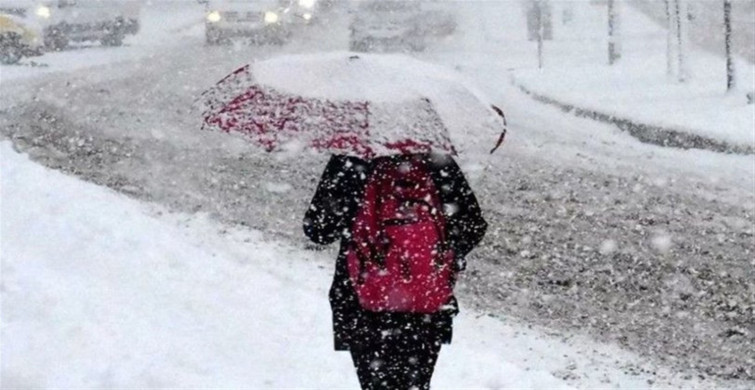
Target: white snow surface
pixel 100 290
pixel 394 80
pixel 358 76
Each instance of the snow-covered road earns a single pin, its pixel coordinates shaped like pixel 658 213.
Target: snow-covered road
pixel 593 234
pixel 103 291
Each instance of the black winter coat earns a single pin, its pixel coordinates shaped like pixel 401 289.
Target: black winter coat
pixel 330 215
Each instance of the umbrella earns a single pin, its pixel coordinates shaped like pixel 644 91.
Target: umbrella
pixel 358 104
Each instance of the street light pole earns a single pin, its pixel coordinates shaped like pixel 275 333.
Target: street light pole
pixel 614 50
pixel 680 26
pixel 540 32
pixel 669 39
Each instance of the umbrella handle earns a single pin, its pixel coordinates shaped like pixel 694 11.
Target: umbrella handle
pixel 500 141
pixel 503 133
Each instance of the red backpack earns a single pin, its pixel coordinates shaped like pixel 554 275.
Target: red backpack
pixel 397 260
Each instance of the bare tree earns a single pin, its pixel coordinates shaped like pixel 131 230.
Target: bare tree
pixel 730 74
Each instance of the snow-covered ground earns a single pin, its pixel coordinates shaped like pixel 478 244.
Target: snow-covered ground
pixel 559 189
pixel 100 290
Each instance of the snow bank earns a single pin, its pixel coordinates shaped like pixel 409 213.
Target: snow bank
pixel 98 294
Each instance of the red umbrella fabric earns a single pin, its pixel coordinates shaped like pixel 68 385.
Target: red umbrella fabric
pixel 363 105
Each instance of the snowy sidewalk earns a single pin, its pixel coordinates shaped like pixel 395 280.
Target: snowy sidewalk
pixel 637 94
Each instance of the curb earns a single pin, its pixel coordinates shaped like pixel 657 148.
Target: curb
pixel 651 134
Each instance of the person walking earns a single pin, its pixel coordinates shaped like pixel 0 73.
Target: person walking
pixel 406 224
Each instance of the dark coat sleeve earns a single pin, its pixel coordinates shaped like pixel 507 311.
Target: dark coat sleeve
pixel 335 200
pixel 330 213
pixel 465 226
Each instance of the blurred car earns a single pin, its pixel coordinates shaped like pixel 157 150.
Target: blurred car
pixel 18 39
pixel 305 11
pixel 66 21
pixel 259 21
pixel 386 25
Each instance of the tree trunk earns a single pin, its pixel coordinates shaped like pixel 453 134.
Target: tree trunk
pixel 730 74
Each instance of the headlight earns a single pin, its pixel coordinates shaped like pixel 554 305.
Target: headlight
pixel 213 17
pixel 43 12
pixel 271 17
pixel 307 16
pixel 309 4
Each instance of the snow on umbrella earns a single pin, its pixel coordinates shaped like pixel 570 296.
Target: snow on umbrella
pixel 358 104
